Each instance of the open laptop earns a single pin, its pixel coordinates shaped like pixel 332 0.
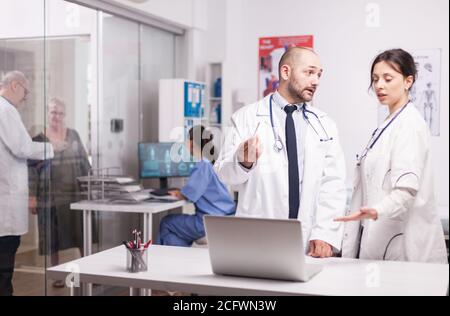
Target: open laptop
pixel 256 247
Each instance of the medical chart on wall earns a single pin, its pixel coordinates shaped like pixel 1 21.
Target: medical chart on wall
pixel 270 51
pixel 425 92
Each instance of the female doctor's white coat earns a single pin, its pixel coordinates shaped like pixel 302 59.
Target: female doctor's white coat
pixel 264 190
pixel 396 179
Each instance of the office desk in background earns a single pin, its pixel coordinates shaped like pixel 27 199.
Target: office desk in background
pixel 189 270
pixel 147 209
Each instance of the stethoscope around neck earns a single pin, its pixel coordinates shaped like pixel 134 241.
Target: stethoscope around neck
pixel 278 144
pixel 372 141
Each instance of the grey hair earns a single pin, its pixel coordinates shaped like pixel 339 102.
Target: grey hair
pixel 11 76
pixel 57 101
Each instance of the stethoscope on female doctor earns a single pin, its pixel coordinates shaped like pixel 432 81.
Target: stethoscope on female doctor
pixel 278 145
pixel 373 141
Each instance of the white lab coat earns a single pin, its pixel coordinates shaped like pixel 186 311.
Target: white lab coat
pixel 16 147
pixel 263 191
pixel 396 179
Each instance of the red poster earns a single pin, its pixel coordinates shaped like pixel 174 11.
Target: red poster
pixel 270 51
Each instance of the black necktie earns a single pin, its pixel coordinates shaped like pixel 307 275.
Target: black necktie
pixel 291 146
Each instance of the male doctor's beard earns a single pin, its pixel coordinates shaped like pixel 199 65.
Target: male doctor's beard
pixel 297 93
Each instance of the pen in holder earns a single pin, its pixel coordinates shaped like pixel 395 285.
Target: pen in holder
pixel 137 256
pixel 137 260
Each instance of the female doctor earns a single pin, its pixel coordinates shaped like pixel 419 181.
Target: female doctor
pixel 393 212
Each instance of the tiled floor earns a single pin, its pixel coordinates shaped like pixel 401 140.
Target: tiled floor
pixel 29 274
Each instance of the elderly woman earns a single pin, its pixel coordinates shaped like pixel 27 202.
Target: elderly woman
pixel 54 187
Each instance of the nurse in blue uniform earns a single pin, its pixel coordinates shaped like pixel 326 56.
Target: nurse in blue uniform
pixel 204 189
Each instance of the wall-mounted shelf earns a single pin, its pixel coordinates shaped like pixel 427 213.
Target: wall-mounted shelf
pixel 214 91
pixel 182 104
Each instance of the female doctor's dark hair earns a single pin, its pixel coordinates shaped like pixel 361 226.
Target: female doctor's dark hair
pixel 203 138
pixel 400 60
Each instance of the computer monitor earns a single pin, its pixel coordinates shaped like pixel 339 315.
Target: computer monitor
pixel 164 160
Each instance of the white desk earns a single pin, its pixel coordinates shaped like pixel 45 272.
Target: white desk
pixel 145 208
pixel 188 270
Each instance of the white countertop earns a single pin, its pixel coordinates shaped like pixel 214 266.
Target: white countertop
pixel 189 270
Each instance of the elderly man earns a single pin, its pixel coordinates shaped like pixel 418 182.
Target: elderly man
pixel 16 147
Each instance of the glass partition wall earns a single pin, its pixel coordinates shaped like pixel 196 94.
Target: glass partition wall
pixel 93 94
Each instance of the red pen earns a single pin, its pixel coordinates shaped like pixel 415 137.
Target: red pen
pixel 148 244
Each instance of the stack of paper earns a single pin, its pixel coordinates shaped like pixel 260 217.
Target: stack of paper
pixel 113 186
pixel 140 196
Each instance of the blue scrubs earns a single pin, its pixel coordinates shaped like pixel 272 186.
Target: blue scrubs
pixel 209 195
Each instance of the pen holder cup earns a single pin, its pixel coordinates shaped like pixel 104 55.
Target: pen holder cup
pixel 137 260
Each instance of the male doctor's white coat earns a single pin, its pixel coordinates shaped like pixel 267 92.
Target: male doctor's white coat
pixel 264 189
pixel 395 178
pixel 16 147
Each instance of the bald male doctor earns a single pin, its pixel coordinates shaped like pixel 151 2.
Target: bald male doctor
pixel 284 158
